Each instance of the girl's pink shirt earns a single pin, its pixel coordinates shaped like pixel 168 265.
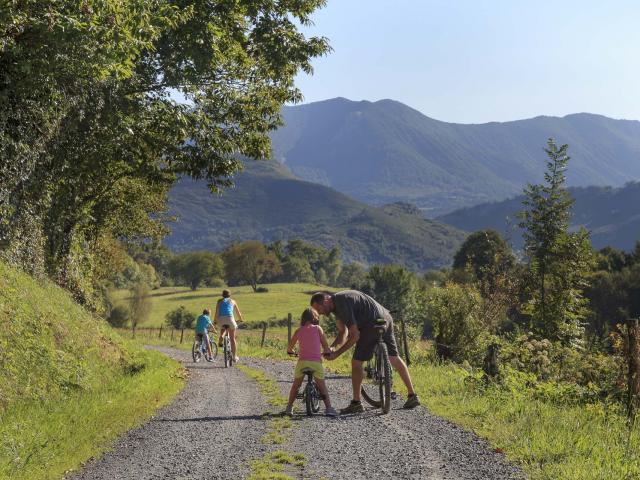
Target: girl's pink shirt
pixel 309 340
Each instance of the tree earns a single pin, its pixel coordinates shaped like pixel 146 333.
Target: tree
pixel 180 318
pixel 249 262
pixel 196 267
pixel 91 139
pixel 559 262
pixel 485 254
pixel 139 303
pixel 352 275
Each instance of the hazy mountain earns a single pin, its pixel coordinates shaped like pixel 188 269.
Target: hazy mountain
pixel 383 152
pixel 269 204
pixel 612 215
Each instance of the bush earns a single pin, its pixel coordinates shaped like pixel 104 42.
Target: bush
pixel 262 290
pixel 119 316
pixel 459 333
pixel 180 318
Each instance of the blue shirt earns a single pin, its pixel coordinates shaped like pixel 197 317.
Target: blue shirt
pixel 203 323
pixel 226 308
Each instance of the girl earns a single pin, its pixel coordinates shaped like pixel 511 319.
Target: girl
pixel 311 338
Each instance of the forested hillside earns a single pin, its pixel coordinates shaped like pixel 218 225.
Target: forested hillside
pixel 612 215
pixel 383 152
pixel 268 204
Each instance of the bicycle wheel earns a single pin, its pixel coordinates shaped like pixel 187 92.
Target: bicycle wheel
pixel 315 404
pixel 195 351
pixel 227 352
pixel 384 378
pixel 231 357
pixel 369 389
pixel 311 400
pixel 214 349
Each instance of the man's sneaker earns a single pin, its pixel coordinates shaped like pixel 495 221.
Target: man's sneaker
pixel 412 402
pixel 289 411
pixel 331 412
pixel 209 359
pixel 354 407
pixel 220 343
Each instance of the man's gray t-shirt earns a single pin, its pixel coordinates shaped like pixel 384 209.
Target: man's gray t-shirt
pixel 353 307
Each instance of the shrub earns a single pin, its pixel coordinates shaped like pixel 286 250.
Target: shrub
pixel 180 318
pixel 262 290
pixel 459 333
pixel 119 316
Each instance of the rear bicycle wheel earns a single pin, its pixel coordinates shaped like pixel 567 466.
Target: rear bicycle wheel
pixel 370 384
pixel 227 352
pixel 384 378
pixel 315 404
pixel 195 351
pixel 214 349
pixel 311 398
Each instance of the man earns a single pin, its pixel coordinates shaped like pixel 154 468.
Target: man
pixel 356 314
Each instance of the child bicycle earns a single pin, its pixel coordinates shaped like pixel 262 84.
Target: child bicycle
pixel 310 396
pixel 199 349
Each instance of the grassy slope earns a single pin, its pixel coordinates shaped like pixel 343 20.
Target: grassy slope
pixel 68 383
pixel 282 298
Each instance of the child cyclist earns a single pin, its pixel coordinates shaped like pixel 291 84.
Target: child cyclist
pixel 202 331
pixel 312 343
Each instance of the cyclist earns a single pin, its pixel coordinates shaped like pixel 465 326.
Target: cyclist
pixel 311 338
pixel 225 309
pixel 356 314
pixel 202 331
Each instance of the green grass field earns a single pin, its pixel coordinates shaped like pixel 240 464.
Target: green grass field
pixel 281 299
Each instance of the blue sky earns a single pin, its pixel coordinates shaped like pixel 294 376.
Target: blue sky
pixel 473 61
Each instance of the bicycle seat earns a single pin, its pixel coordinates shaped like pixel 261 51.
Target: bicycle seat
pixel 307 370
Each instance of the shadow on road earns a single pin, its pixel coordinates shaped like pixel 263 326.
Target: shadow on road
pixel 212 419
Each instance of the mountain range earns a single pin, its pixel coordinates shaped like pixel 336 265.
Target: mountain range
pixel 612 215
pixel 384 152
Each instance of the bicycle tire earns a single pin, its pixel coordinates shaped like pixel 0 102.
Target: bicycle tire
pixel 369 389
pixel 384 378
pixel 310 398
pixel 214 349
pixel 195 352
pixel 227 353
pixel 315 404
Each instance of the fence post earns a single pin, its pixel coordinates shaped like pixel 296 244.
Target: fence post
pixel 405 343
pixel 634 368
pixel 181 335
pixel 288 328
pixel 133 331
pixel 172 329
pixel 160 334
pixel 264 332
pixel 491 367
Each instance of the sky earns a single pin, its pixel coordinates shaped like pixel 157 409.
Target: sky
pixel 476 61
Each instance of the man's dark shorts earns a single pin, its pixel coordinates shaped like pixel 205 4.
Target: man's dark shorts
pixel 367 342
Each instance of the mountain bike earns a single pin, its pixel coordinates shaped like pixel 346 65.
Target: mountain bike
pixel 226 347
pixel 310 396
pixel 199 349
pixel 377 385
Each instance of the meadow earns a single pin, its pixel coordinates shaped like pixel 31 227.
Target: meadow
pixel 280 300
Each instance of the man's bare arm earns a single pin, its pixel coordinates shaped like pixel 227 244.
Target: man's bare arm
pixel 342 334
pixel 354 335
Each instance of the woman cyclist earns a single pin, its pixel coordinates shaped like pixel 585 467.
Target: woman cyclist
pixel 225 309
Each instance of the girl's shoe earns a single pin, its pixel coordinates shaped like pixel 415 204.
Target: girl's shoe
pixel 331 412
pixel 289 411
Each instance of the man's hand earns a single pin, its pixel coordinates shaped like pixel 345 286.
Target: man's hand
pixel 330 355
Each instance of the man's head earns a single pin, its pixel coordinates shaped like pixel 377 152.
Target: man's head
pixel 322 303
pixel 206 311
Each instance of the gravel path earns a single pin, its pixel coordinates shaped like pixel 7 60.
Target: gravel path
pixel 217 415
pixel 405 444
